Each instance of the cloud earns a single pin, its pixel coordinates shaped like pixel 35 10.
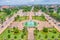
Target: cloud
pixel 32 0
pixel 8 1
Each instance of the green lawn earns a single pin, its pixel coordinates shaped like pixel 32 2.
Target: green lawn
pixel 55 16
pixel 52 34
pixel 36 8
pixel 16 36
pixel 2 17
pixel 26 8
pixel 21 18
pixel 6 12
pixel 40 18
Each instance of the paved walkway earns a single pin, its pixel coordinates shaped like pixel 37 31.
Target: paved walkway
pixel 30 33
pixel 40 26
pixel 31 30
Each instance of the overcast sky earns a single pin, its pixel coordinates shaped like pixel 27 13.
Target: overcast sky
pixel 21 2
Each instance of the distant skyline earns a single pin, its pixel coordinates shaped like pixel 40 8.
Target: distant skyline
pixel 27 2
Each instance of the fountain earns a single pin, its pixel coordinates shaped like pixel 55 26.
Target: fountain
pixel 30 24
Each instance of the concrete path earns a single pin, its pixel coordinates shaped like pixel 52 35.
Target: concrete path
pixel 31 30
pixel 42 24
pixel 30 33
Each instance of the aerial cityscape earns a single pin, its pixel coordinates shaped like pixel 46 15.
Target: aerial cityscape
pixel 29 20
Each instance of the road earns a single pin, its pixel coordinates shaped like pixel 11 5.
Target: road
pixel 8 22
pixel 52 21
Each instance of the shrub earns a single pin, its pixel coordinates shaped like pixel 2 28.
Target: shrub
pixel 52 36
pixel 45 29
pixel 46 36
pixel 54 31
pixel 36 31
pixel 59 36
pixel 39 36
pixel 15 30
pixel 15 37
pixel 22 36
pixel 8 31
pixel 8 36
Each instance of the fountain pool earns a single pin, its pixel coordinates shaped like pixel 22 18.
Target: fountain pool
pixel 30 24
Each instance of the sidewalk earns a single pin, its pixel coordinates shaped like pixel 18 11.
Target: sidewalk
pixel 30 33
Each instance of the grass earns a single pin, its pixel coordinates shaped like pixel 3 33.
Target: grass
pixel 36 8
pixel 56 16
pixel 26 8
pixel 21 18
pixel 40 18
pixel 3 16
pixel 12 35
pixel 49 34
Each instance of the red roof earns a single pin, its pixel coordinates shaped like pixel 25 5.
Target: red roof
pixel 5 7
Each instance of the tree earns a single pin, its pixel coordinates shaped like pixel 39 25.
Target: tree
pixel 46 36
pixel 36 31
pixel 15 30
pixel 59 36
pixel 8 31
pixel 39 36
pixel 0 10
pixel 22 36
pixel 24 30
pixel 45 29
pixel 36 8
pixel 26 8
pixel 8 11
pixel 58 10
pixel 54 31
pixel 53 36
pixel 17 18
pixel 8 36
pixel 43 16
pixel 43 9
pixel 15 37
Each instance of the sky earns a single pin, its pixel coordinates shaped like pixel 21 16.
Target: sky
pixel 22 2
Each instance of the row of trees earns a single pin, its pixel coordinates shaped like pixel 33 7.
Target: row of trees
pixel 7 12
pixel 45 30
pixel 52 12
pixel 26 8
pixel 16 31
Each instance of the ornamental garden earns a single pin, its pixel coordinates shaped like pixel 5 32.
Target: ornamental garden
pixel 30 17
